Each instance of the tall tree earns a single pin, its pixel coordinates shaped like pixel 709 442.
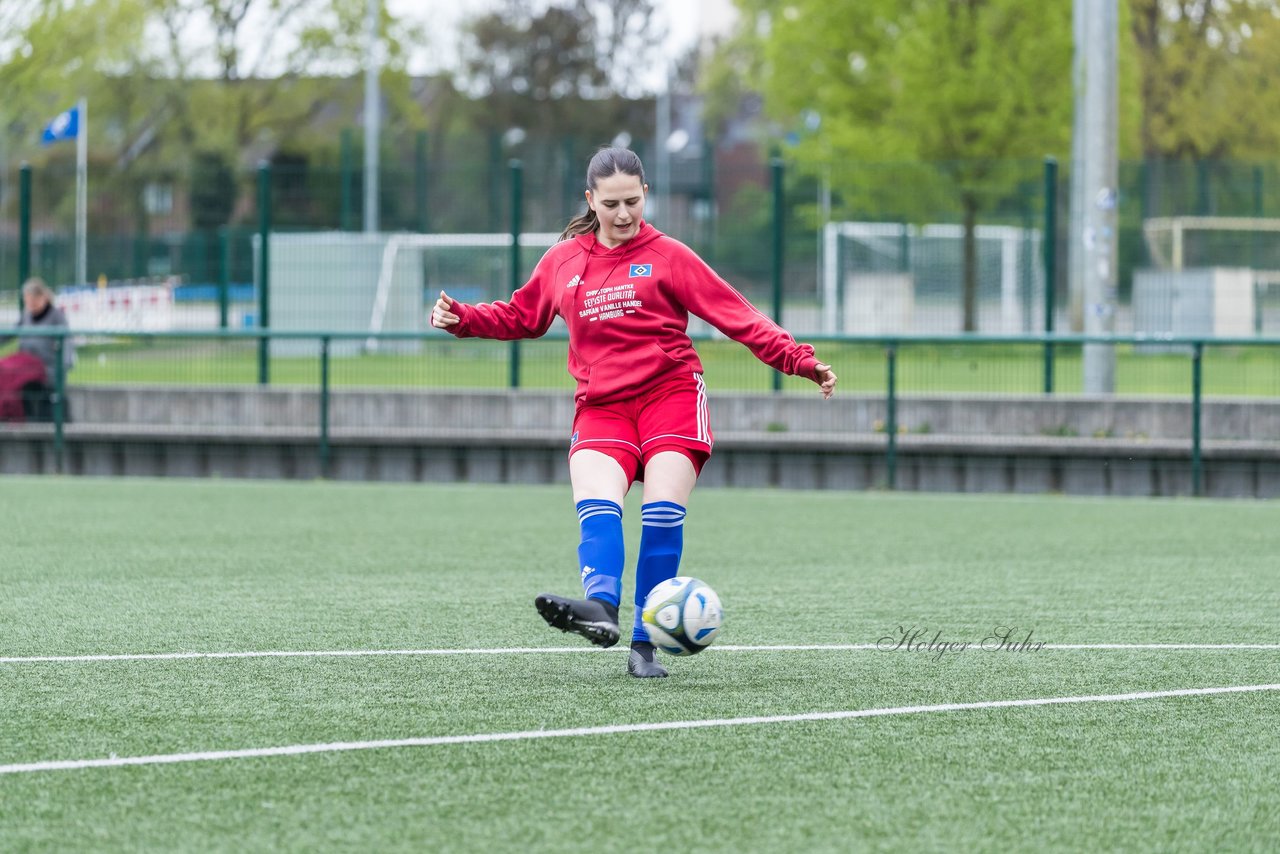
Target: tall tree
pixel 1207 67
pixel 194 86
pixel 566 74
pixel 257 70
pixel 53 53
pixel 558 68
pixel 960 83
pixel 222 74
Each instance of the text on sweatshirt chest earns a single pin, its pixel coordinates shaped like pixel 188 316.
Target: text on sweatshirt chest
pixel 628 290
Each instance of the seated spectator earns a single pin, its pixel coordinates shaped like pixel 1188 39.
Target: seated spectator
pixel 27 377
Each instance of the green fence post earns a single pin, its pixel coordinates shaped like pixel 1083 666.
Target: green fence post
pixel 24 228
pixel 1197 375
pixel 420 181
pixel 324 406
pixel 1259 289
pixel 59 407
pixel 141 251
pixel 1203 205
pixel 1259 184
pixel 1049 249
pixel 709 190
pixel 517 189
pixel 495 189
pixel 776 168
pixel 569 179
pixel 264 283
pixel 346 178
pixel 891 415
pixel 224 274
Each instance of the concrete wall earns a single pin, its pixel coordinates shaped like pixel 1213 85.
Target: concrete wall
pixel 956 443
pixel 1100 416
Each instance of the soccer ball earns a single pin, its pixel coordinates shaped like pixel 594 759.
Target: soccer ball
pixel 682 615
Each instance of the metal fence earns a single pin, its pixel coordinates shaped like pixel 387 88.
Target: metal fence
pixel 861 248
pixel 933 377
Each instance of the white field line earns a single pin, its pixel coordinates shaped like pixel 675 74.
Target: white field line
pixel 340 746
pixel 538 650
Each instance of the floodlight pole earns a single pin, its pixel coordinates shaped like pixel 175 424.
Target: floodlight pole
pixel 1049 248
pixel 777 172
pixel 661 154
pixel 372 113
pixel 1075 189
pixel 1095 194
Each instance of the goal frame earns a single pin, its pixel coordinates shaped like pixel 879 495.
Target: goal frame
pixel 402 241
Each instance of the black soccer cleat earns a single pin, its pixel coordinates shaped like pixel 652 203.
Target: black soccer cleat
pixel 595 620
pixel 642 663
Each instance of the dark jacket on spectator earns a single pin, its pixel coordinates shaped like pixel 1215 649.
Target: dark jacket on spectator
pixel 43 347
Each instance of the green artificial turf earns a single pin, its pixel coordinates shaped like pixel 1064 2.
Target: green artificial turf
pixel 134 566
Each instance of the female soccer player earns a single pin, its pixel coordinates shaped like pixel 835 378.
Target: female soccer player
pixel 625 291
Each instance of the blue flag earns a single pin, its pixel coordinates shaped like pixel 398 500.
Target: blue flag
pixel 65 126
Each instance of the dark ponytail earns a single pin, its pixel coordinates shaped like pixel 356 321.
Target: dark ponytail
pixel 607 162
pixel 584 223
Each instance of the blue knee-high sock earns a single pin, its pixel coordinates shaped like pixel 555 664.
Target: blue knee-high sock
pixel 601 553
pixel 661 541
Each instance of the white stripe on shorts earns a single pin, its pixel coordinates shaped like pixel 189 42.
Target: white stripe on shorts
pixel 704 432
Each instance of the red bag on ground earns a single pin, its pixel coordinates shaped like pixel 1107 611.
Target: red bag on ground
pixel 16 371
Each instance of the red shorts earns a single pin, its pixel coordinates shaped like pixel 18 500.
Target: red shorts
pixel 671 416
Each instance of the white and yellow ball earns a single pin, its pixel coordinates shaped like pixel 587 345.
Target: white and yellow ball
pixel 682 615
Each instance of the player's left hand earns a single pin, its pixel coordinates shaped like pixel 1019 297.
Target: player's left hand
pixel 826 379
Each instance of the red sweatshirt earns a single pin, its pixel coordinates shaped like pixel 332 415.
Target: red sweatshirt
pixel 627 310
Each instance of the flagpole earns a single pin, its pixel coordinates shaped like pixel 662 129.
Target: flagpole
pixel 82 191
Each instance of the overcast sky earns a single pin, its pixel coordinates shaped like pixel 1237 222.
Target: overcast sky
pixel 684 19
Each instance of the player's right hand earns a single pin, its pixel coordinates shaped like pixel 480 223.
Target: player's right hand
pixel 442 315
